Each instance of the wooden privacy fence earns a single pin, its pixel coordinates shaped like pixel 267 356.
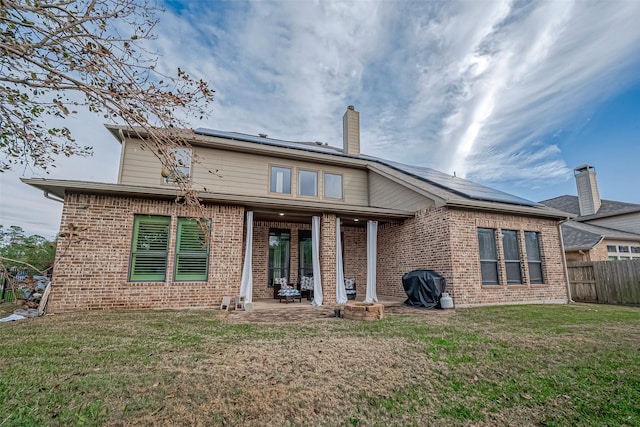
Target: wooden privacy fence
pixel 607 282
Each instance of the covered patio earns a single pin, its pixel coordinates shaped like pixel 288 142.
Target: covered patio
pixel 327 252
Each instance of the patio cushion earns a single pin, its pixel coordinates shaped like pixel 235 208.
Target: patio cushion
pixel 283 282
pixel 306 283
pixel 289 293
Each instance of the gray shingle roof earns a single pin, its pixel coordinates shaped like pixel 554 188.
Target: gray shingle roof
pixel 570 204
pixel 462 187
pixel 578 235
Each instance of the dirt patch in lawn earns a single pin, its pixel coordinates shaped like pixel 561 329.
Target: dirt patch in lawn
pixel 306 313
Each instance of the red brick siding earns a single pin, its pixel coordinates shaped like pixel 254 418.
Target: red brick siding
pixel 328 257
pixel 421 242
pixel 355 256
pixel 91 270
pixel 446 240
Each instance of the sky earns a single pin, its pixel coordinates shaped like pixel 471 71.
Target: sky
pixel 509 94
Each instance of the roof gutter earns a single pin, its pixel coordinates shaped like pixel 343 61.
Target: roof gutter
pixel 503 207
pixel 55 199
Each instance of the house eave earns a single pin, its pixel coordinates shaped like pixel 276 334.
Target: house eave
pixel 503 207
pixel 238 145
pixel 60 188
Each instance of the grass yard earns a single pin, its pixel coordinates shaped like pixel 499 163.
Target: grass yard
pixel 575 365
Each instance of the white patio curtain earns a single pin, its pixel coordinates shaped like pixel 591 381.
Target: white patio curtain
pixel 372 246
pixel 246 284
pixel 341 292
pixel 315 256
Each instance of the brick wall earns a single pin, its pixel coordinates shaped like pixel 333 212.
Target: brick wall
pixel 355 256
pixel 328 257
pixel 446 240
pixel 467 288
pixel 421 242
pixel 92 269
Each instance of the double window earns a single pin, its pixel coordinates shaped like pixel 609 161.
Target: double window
pixel 512 256
pixel 150 249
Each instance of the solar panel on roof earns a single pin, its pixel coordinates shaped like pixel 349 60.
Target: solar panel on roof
pixel 460 186
pixel 454 184
pixel 307 146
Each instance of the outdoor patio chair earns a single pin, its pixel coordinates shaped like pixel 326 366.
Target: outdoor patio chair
pixel 350 287
pixel 306 286
pixel 288 292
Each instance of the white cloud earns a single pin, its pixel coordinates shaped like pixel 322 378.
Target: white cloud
pixel 475 87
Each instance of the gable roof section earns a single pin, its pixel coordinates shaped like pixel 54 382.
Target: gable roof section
pixel 441 187
pixel 608 208
pixel 581 236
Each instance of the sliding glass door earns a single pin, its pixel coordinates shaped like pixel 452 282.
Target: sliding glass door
pixel 279 248
pixel 305 265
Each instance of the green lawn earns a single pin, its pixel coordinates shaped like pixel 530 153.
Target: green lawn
pixel 512 365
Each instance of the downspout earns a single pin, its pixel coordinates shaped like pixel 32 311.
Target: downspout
pixel 55 199
pixel 564 259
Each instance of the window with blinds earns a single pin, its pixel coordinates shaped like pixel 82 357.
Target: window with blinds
pixel 192 250
pixel 511 248
pixel 488 256
pixel 149 248
pixel 534 258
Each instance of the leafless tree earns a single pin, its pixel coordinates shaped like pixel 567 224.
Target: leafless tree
pixel 58 56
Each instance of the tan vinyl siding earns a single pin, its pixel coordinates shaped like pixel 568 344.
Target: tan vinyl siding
pixel 139 166
pixel 386 193
pixel 241 173
pixel 629 222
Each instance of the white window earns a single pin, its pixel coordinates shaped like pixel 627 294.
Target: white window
pixel 181 158
pixel 280 180
pixel 332 186
pixel 308 183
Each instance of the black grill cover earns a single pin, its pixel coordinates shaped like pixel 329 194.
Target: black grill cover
pixel 423 287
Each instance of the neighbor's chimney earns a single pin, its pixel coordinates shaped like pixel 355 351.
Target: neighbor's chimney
pixel 351 131
pixel 588 195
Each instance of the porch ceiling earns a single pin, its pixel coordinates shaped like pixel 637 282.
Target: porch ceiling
pixel 305 218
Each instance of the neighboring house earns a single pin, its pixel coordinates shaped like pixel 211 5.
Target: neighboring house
pixel 282 209
pixel 602 229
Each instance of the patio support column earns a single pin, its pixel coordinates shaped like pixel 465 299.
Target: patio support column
pixel 328 257
pixel 246 283
pixel 372 250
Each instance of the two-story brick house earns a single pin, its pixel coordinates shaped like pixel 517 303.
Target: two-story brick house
pixel 280 209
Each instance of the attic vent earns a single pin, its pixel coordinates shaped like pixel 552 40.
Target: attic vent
pixel 319 142
pixel 262 135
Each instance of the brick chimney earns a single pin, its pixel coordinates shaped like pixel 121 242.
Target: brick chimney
pixel 351 131
pixel 588 195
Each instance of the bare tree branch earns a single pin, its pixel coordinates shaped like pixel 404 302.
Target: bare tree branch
pixel 53 50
